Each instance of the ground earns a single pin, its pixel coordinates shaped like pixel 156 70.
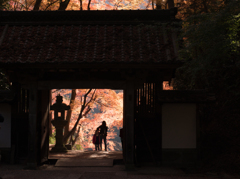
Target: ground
pixel 116 171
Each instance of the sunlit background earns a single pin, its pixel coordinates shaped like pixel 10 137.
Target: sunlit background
pixel 28 5
pixel 107 106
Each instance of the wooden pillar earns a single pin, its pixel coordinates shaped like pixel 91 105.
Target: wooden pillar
pixel 43 143
pixel 32 137
pixel 129 125
pixel 159 88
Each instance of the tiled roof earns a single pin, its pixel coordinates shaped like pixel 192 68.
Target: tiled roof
pixel 87 42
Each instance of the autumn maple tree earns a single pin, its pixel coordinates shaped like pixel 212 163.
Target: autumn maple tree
pixel 82 113
pixel 62 5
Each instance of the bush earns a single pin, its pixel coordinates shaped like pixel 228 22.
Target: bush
pixel 77 147
pixel 211 51
pixel 52 139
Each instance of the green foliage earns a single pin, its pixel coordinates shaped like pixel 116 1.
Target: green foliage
pixel 211 52
pixel 52 139
pixel 211 49
pixel 77 147
pixel 4 5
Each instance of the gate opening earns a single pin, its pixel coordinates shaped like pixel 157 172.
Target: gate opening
pixel 88 108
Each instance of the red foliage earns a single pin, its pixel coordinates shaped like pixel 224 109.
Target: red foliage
pixel 108 106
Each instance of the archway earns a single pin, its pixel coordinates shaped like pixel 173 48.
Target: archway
pixel 101 104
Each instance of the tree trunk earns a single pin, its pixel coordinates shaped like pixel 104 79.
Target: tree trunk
pixel 158 4
pixel 170 4
pixel 89 2
pixel 63 5
pixel 205 7
pixel 81 5
pixel 69 112
pixel 84 105
pixel 77 136
pixel 37 5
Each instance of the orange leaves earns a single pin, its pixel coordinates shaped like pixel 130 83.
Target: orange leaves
pixel 110 4
pixel 103 104
pixel 53 5
pixel 193 7
pixel 167 86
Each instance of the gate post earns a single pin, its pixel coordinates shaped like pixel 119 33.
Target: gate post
pixel 129 125
pixel 32 140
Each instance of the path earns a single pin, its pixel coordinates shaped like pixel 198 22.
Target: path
pixel 117 171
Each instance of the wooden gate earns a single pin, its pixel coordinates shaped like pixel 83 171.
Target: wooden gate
pixel 20 127
pixel 147 125
pixel 43 125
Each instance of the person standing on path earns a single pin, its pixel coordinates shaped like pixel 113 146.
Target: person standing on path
pixel 103 134
pixel 96 139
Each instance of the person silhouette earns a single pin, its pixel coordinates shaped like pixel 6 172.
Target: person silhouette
pixel 96 139
pixel 103 134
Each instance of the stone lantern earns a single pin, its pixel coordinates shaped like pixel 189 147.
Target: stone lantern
pixel 59 122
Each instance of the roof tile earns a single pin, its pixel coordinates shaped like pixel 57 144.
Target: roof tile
pixel 85 44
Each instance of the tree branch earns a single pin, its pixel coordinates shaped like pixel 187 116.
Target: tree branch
pixel 88 7
pixel 81 5
pixel 91 98
pixel 78 119
pixel 48 7
pixel 152 4
pixel 69 112
pixel 77 135
pixel 37 5
pixel 104 104
pixel 63 5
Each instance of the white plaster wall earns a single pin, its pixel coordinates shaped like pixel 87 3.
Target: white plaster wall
pixel 5 127
pixel 179 125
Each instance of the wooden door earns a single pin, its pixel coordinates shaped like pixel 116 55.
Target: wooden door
pixel 147 125
pixel 20 122
pixel 43 125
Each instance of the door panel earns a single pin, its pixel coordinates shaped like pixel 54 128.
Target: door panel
pixel 43 125
pixel 147 125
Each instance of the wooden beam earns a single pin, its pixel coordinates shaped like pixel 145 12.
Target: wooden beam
pixel 129 125
pixel 120 66
pixel 81 84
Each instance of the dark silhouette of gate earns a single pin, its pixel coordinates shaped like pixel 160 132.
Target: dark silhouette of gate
pixel 147 125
